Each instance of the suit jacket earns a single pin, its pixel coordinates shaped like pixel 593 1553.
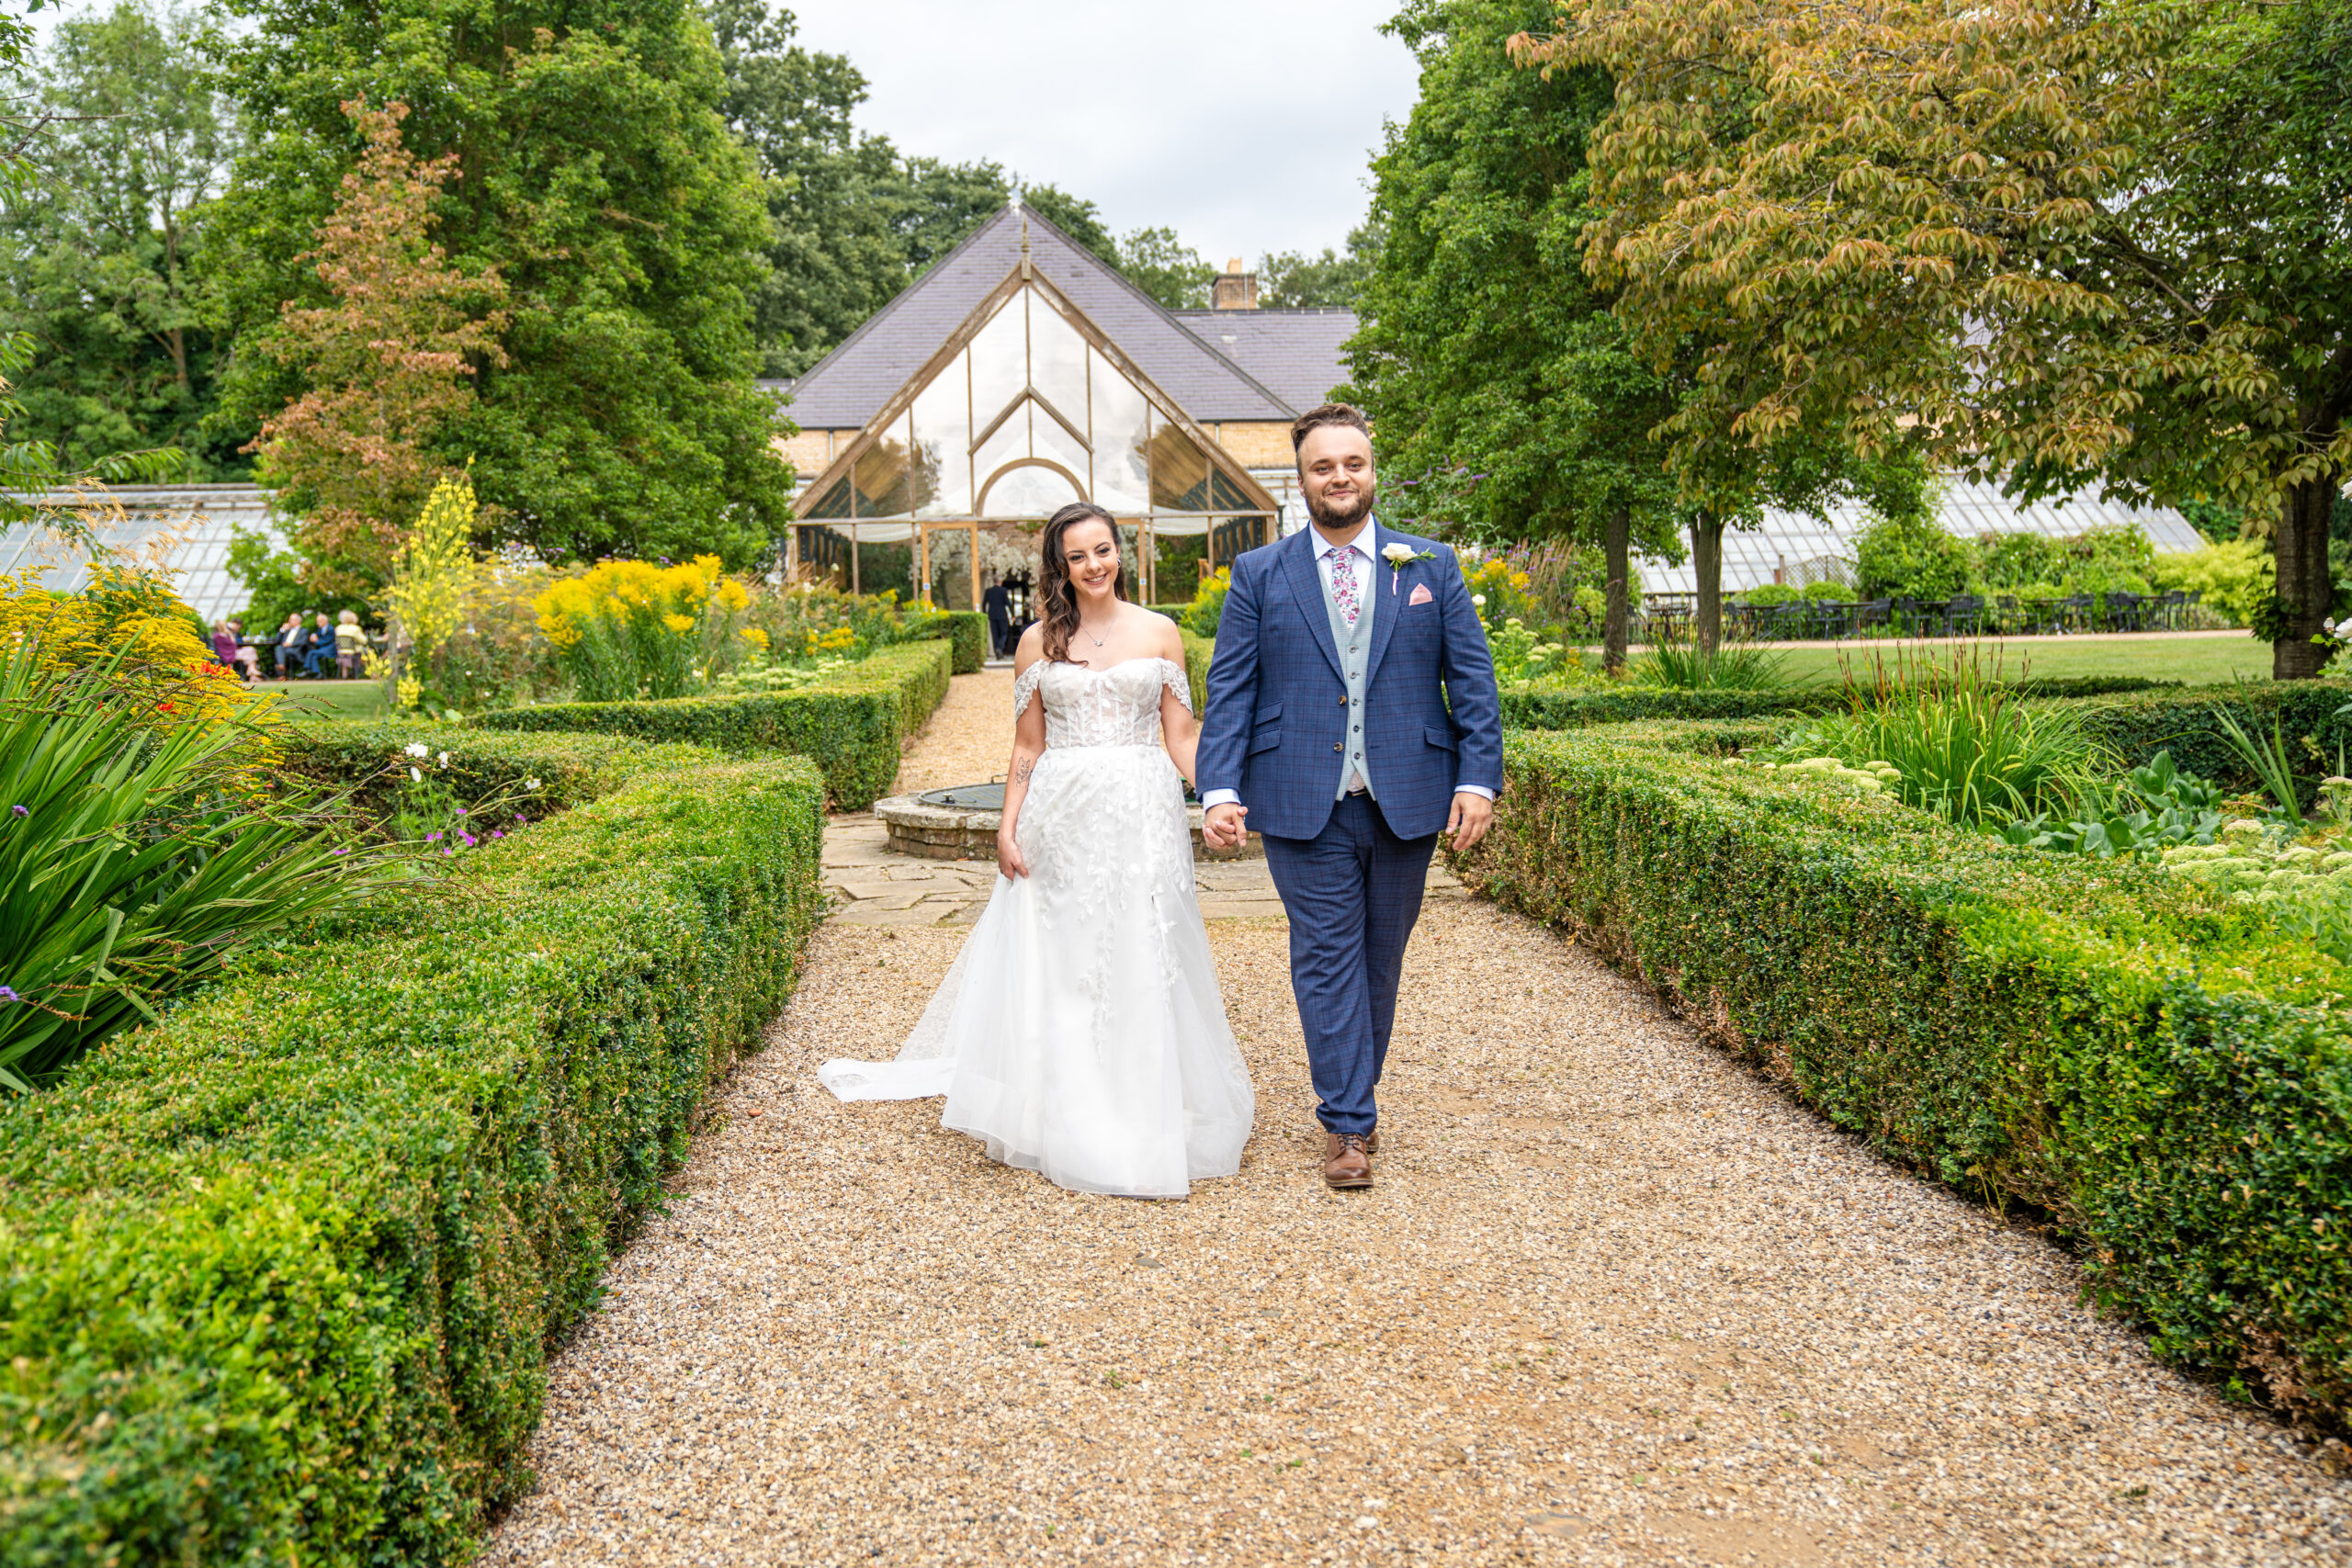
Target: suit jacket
pixel 1278 699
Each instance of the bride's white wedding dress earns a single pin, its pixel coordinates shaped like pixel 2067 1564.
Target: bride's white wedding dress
pixel 1080 1033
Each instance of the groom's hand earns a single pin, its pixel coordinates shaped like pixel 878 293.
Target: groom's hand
pixel 1473 814
pixel 1222 826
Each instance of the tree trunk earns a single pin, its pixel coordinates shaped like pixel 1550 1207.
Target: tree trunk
pixel 2305 586
pixel 1707 558
pixel 1616 536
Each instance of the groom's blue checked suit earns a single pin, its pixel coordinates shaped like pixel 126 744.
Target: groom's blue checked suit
pixel 1301 705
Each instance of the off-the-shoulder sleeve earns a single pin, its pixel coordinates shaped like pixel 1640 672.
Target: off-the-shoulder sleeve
pixel 1172 676
pixel 1025 686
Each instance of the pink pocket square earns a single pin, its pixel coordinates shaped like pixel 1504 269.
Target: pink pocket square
pixel 1421 594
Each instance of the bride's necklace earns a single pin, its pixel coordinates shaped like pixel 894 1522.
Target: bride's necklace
pixel 1097 641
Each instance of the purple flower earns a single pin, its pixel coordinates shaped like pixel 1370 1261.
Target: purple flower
pixel 447 852
pixel 20 811
pixel 342 852
pixel 468 839
pixel 496 834
pixel 7 994
pixel 432 838
pixel 461 811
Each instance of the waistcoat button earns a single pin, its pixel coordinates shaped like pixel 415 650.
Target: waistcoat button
pixel 1335 745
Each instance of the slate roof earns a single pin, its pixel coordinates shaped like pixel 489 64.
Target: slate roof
pixel 1295 353
pixel 849 386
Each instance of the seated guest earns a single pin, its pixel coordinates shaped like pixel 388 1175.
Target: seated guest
pixel 224 645
pixel 350 642
pixel 318 654
pixel 289 642
pixel 247 658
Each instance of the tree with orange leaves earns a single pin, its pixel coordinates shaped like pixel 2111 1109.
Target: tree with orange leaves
pixel 389 365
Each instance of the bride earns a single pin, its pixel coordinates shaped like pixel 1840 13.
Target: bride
pixel 1080 1033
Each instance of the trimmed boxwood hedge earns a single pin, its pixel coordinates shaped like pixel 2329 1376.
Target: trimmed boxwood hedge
pixel 1526 708
pixel 2160 1072
pixel 852 727
pixel 965 631
pixel 2188 723
pixel 279 1277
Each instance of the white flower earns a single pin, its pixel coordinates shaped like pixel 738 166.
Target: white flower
pixel 415 777
pixel 530 784
pixel 445 758
pixel 1398 554
pixel 1479 600
pixel 417 749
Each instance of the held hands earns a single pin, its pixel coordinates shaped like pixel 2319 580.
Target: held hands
pixel 1222 826
pixel 1473 814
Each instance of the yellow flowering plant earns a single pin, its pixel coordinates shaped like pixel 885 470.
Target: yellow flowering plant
pixel 131 625
pixel 628 629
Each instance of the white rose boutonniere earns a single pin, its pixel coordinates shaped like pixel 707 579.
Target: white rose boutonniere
pixel 1396 554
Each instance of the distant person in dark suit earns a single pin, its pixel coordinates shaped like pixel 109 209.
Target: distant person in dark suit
pixel 289 643
pixel 998 603
pixel 318 654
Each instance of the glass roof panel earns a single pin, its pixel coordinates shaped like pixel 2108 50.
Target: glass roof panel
pixel 1057 361
pixel 880 478
pixel 999 358
pixel 1121 431
pixel 1179 472
pixel 834 502
pixel 942 441
pixel 1048 439
pixel 1009 442
pixel 1029 490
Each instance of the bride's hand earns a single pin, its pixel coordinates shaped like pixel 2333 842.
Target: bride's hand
pixel 1008 853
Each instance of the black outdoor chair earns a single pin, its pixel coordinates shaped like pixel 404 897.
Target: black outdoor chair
pixel 1964 615
pixel 1872 613
pixel 2169 608
pixel 2006 616
pixel 2073 613
pixel 2125 612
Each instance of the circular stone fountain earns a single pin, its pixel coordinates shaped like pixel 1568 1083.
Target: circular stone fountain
pixel 961 824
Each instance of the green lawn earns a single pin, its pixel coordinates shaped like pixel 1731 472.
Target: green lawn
pixel 2197 660
pixel 330 699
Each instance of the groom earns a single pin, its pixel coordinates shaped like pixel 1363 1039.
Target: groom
pixel 1352 714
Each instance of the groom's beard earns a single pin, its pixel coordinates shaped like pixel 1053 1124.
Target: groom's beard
pixel 1345 515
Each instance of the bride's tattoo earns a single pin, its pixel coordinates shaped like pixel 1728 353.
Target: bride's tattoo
pixel 1021 769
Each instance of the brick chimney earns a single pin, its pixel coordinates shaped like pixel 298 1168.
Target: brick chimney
pixel 1234 288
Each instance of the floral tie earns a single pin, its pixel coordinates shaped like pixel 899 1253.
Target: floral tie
pixel 1344 582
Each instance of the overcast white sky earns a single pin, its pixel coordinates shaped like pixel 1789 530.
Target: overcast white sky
pixel 1244 125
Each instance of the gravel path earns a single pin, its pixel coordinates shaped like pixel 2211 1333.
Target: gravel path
pixel 969 738
pixel 1613 1301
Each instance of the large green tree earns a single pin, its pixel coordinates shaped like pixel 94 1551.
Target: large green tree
pixel 96 258
pixel 1506 400
pixel 2076 245
pixel 594 175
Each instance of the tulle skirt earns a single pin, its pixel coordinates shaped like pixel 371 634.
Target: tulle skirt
pixel 1081 1032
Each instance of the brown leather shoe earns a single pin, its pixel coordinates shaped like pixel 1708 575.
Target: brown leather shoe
pixel 1372 1141
pixel 1346 1164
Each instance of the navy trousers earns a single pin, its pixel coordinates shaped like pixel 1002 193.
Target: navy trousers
pixel 1352 893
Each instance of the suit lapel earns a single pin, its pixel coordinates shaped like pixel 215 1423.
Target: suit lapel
pixel 1384 619
pixel 1306 586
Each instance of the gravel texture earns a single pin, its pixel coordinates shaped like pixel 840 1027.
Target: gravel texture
pixel 1612 1301
pixel 969 738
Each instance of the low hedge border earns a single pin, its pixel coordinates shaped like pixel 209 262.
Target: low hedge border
pixel 279 1277
pixel 1528 708
pixel 965 631
pixel 2157 1070
pixel 852 727
pixel 2188 724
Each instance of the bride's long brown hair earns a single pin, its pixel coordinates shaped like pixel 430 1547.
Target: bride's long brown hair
pixel 1057 594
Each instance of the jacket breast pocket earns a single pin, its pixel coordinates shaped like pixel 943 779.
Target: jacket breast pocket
pixel 1437 736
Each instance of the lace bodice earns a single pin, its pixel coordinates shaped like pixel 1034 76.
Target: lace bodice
pixel 1118 706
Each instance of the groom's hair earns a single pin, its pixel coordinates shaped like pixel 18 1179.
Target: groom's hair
pixel 1329 413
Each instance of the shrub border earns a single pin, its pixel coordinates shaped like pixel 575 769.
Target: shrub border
pixel 2150 1067
pixel 852 727
pixel 279 1277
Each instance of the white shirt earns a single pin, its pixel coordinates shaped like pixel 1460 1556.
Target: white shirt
pixel 1367 579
